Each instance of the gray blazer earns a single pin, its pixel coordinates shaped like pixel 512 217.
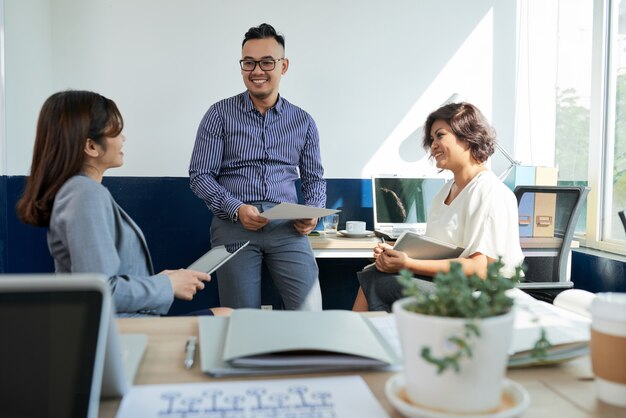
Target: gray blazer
pixel 90 233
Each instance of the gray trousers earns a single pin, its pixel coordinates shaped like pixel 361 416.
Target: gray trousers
pixel 382 289
pixel 287 255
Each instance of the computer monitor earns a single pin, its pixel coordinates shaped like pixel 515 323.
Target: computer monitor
pixel 403 202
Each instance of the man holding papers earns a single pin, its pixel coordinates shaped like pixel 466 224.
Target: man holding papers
pixel 250 150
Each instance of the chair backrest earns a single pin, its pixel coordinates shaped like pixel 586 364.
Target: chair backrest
pixel 547 220
pixel 622 216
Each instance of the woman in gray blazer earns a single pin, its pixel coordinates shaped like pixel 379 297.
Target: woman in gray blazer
pixel 79 136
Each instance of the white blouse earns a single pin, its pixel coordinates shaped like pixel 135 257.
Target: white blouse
pixel 483 218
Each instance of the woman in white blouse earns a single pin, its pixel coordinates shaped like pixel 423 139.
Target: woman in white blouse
pixel 475 210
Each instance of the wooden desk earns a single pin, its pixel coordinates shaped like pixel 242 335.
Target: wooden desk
pixel 337 246
pixel 562 391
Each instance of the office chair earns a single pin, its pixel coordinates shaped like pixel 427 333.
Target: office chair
pixel 547 220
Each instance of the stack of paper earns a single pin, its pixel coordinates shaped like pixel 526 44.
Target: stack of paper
pixel 256 342
pixel 566 323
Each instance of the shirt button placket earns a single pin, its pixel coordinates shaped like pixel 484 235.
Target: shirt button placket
pixel 264 168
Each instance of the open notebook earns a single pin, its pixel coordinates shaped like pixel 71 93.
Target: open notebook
pixel 257 342
pixel 60 349
pixel 401 204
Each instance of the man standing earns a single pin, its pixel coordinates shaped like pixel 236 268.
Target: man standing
pixel 250 150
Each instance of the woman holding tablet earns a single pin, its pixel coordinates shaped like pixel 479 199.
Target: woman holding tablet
pixel 79 137
pixel 474 210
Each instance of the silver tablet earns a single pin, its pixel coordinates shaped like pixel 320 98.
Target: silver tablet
pixel 217 256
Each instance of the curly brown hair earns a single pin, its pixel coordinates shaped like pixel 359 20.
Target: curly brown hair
pixel 468 124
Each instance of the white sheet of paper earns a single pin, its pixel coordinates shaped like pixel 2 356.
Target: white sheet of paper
pixel 386 325
pixel 324 397
pixel 294 211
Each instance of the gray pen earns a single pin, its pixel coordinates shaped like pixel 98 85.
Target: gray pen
pixel 190 352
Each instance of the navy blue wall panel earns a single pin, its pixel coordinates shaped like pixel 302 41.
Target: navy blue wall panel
pixel 177 225
pixel 3 223
pixel 175 222
pixel 598 274
pixel 27 249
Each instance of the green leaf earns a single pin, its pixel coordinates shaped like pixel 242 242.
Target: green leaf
pixel 459 296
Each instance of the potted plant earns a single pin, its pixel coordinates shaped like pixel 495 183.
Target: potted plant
pixel 455 340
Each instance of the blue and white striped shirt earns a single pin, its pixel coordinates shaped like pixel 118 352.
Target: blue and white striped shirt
pixel 242 156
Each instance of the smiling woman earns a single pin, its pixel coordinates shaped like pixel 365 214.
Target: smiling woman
pixel 79 136
pixel 475 211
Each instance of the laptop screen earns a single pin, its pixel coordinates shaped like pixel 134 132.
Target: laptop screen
pixel 48 351
pixel 403 202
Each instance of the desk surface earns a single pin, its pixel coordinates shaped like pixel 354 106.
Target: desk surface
pixel 337 246
pixel 560 391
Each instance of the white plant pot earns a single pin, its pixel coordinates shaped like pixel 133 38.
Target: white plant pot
pixel 478 386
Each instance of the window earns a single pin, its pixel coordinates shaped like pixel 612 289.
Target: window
pixel 571 104
pixel 615 158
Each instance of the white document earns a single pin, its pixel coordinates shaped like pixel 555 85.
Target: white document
pixel 294 211
pixel 386 326
pixel 328 397
pixel 567 331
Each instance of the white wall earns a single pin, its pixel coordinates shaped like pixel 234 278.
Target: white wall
pixel 368 71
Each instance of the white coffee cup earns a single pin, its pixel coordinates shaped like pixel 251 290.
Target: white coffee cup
pixel 355 227
pixel 608 347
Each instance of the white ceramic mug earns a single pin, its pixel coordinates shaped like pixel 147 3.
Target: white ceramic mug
pixel 355 227
pixel 608 347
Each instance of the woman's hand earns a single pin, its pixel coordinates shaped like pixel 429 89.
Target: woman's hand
pixel 186 283
pixel 380 248
pixel 391 261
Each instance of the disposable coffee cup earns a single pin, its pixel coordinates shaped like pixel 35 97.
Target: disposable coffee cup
pixel 355 227
pixel 608 347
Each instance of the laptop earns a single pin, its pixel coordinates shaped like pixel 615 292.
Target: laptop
pixel 60 349
pixel 217 256
pixel 401 204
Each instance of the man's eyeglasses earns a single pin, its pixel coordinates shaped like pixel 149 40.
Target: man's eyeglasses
pixel 266 64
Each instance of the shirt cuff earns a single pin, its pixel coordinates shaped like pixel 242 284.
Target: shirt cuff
pixel 231 208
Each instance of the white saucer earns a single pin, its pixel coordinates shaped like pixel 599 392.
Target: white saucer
pixel 365 234
pixel 512 391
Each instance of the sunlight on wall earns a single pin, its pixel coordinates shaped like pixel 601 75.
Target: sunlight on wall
pixel 469 74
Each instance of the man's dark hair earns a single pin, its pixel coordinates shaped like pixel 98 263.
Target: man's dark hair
pixel 263 31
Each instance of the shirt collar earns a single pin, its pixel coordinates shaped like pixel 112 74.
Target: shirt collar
pixel 248 106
